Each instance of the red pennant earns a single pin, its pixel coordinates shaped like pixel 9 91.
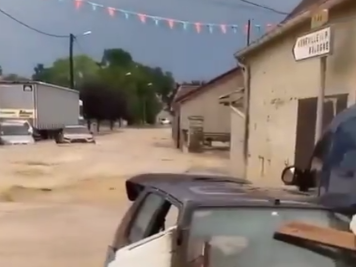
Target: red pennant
pixel 223 28
pixel 78 3
pixel 269 27
pixel 171 23
pixel 142 18
pixel 247 29
pixel 198 26
pixel 111 11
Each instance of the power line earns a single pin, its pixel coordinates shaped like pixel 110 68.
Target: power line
pixel 265 7
pixel 30 27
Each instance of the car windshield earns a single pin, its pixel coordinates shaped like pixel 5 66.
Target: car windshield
pixel 19 129
pixel 243 237
pixel 76 130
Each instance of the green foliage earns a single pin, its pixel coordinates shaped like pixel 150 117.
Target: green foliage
pixel 84 66
pixel 14 77
pixel 116 80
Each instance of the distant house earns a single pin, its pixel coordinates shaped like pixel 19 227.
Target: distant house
pixel 203 102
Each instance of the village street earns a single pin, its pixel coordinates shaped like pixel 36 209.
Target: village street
pixel 60 205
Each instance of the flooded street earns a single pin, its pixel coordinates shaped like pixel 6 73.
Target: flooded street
pixel 60 205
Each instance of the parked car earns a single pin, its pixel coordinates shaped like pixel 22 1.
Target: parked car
pixel 331 171
pixel 15 133
pixel 184 220
pixel 75 134
pixel 35 134
pixel 164 121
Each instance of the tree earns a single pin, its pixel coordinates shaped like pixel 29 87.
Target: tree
pixel 85 68
pixel 0 71
pixel 116 57
pixel 115 88
pixel 41 73
pixel 14 77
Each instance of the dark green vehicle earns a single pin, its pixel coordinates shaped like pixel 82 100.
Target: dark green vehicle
pixel 184 220
pixel 331 172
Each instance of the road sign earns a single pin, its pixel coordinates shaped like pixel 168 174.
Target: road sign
pixel 315 44
pixel 320 18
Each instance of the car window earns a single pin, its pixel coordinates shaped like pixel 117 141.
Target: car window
pixel 243 237
pixel 155 214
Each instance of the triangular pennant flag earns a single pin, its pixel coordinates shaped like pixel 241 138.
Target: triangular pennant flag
pixel 258 27
pixel 247 29
pixel 234 28
pixel 197 26
pixel 171 23
pixel 78 3
pixel 111 11
pixel 185 25
pixel 127 15
pixel 156 20
pixel 223 28
pixel 142 18
pixel 269 27
pixel 211 28
pixel 93 6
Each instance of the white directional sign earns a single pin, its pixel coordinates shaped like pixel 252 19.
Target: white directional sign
pixel 314 44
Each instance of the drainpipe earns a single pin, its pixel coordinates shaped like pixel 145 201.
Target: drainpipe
pixel 247 80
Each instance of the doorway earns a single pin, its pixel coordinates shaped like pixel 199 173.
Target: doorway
pixel 306 120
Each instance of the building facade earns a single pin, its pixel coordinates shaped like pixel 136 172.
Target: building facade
pixel 283 93
pixel 204 102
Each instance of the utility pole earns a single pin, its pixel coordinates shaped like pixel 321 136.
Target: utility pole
pixel 319 19
pixel 248 32
pixel 71 63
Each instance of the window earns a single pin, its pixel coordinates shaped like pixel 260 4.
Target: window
pixel 244 237
pixel 155 214
pixel 145 216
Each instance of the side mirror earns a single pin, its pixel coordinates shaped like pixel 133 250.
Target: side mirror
pixel 303 179
pixel 289 176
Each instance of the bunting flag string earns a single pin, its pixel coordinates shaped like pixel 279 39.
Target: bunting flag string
pixel 171 23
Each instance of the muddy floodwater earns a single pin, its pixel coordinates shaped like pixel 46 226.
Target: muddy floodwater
pixel 59 205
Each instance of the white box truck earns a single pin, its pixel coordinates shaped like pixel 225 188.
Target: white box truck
pixel 47 107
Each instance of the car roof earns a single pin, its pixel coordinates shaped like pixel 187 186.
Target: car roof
pixel 211 190
pixel 342 117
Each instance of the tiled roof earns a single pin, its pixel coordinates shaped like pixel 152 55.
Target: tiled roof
pixel 201 88
pixel 184 90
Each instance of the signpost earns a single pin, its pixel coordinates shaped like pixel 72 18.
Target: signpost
pixel 316 44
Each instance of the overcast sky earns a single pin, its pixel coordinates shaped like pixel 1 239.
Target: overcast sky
pixel 186 54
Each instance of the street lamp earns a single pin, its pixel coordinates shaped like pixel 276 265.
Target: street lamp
pixel 71 62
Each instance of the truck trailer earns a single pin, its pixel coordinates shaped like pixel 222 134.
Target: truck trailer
pixel 47 107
